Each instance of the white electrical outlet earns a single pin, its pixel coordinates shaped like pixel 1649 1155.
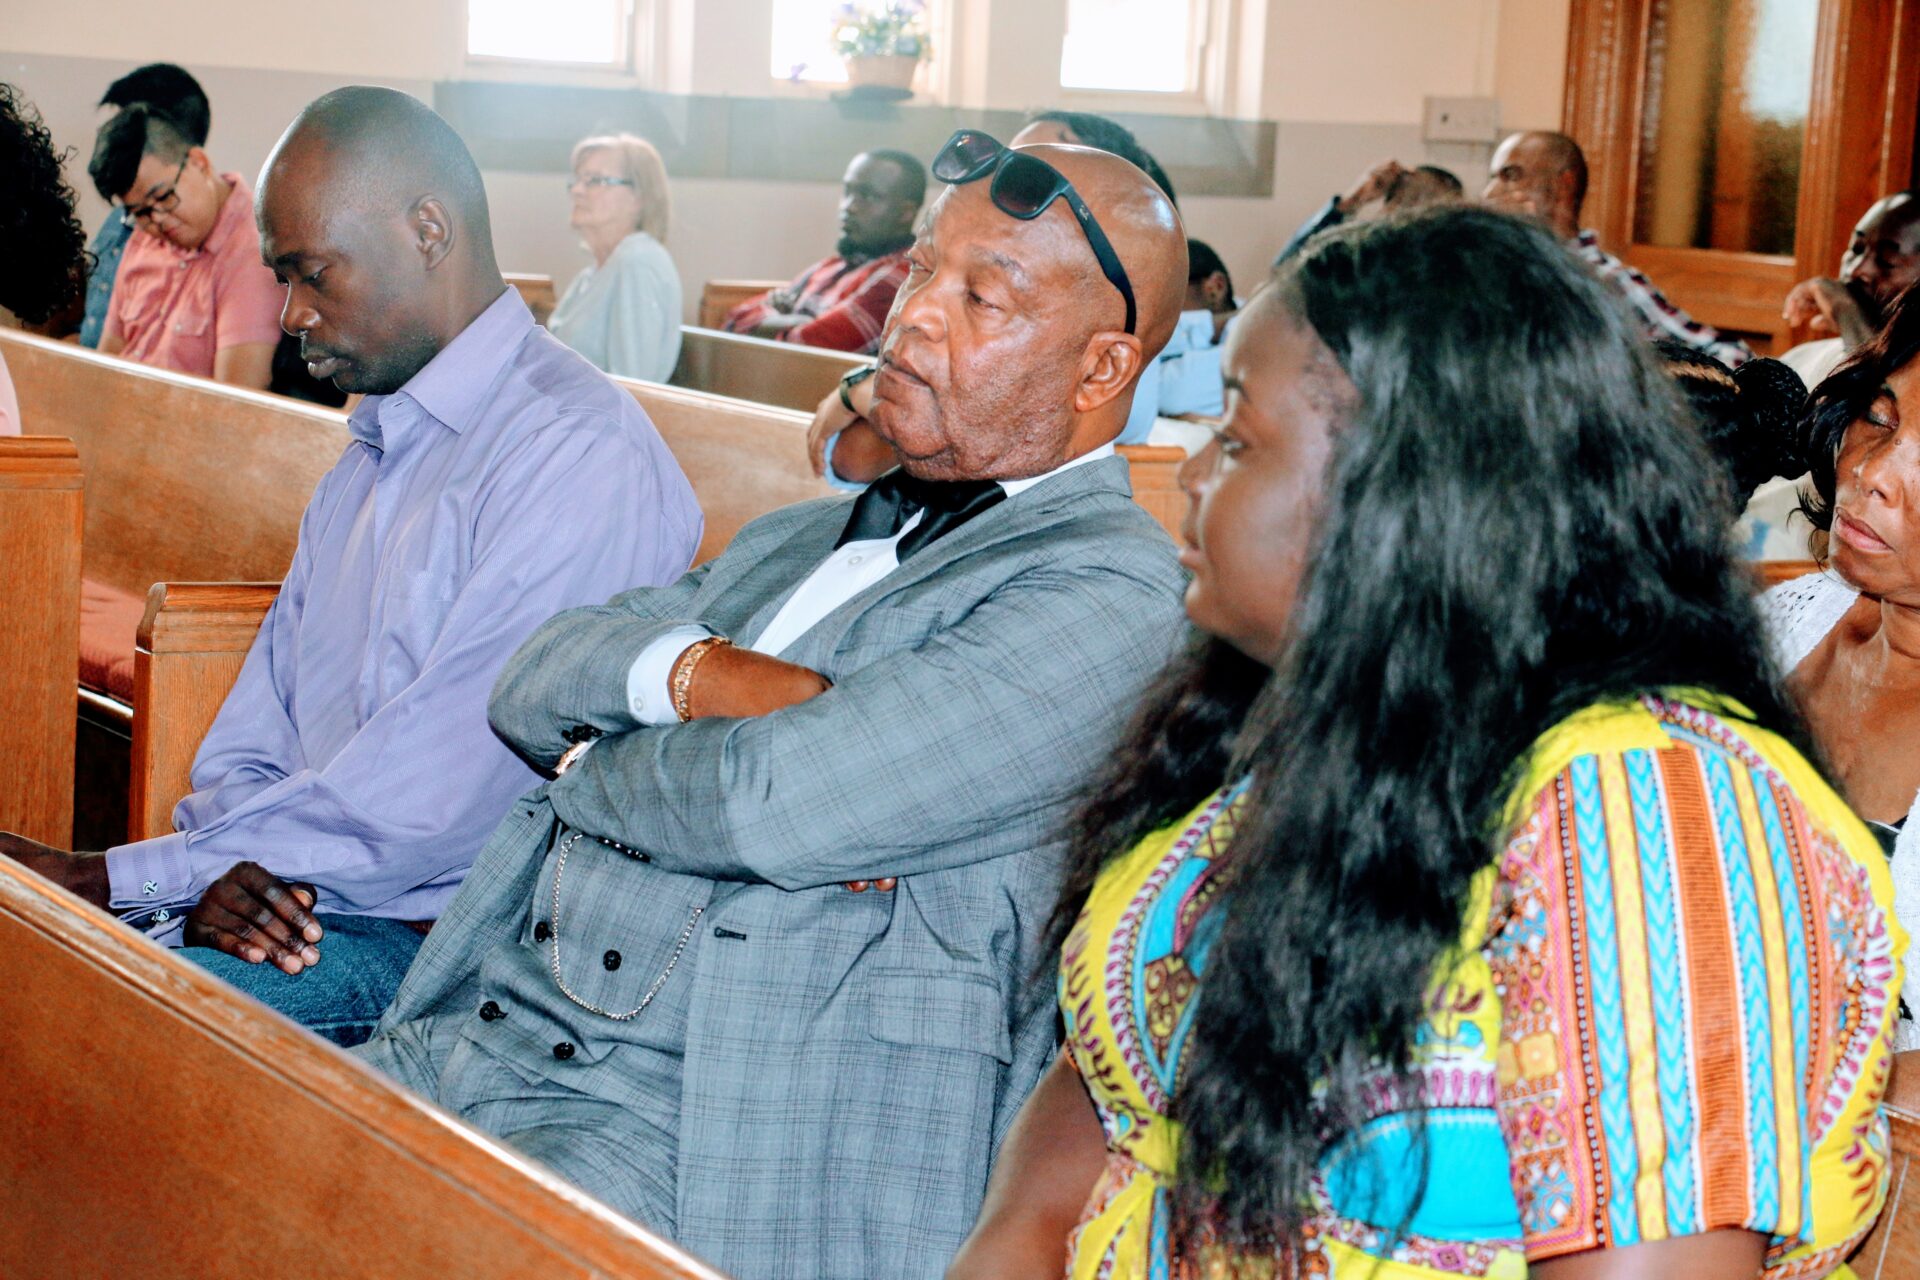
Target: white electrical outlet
pixel 1462 120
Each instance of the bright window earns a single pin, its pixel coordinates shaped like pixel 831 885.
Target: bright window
pixel 585 32
pixel 1145 46
pixel 803 41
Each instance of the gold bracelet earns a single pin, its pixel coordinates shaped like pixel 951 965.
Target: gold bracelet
pixel 680 682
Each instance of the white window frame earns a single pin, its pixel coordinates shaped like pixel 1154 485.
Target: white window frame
pixel 934 79
pixel 639 39
pixel 1210 72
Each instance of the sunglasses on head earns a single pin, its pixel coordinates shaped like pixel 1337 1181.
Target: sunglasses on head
pixel 1024 187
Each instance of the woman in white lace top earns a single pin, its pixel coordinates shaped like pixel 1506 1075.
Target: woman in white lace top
pixel 1850 635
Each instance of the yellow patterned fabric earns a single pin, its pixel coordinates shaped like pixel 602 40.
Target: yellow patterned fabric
pixel 1670 1014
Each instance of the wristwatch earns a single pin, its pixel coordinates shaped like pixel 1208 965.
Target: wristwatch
pixel 852 379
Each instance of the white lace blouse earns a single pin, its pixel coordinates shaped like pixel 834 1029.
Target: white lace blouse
pixel 1799 614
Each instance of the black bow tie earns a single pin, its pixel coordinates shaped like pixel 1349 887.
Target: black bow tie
pixel 891 501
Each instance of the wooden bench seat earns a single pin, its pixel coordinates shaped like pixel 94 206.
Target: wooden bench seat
pixel 718 297
pixel 758 369
pixel 160 1123
pixel 186 480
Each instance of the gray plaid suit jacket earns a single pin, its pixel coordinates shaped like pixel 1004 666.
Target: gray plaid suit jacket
pixel 851 1060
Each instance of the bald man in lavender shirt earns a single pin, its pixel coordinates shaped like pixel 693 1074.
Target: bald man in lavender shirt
pixel 494 478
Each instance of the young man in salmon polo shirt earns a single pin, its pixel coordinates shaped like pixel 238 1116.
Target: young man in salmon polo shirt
pixel 191 293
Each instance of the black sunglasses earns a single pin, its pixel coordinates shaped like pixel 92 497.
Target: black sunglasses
pixel 1024 187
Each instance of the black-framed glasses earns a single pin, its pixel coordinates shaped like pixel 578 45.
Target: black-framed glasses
pixel 133 214
pixel 1024 187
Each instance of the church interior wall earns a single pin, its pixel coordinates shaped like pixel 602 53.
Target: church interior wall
pixel 1343 87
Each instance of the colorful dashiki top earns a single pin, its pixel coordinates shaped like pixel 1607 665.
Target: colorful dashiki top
pixel 1670 1014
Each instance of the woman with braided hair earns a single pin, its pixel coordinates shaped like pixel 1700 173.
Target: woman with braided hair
pixel 1752 418
pixel 43 266
pixel 1465 901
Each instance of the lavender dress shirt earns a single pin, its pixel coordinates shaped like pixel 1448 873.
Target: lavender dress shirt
pixel 508 480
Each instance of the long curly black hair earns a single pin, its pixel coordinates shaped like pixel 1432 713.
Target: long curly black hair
pixel 43 261
pixel 1511 529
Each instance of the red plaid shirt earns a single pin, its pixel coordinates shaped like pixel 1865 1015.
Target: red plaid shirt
pixel 848 304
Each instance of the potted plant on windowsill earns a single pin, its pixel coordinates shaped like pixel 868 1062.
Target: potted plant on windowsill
pixel 882 44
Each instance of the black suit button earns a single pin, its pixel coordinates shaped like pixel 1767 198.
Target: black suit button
pixel 563 1051
pixel 542 931
pixel 611 960
pixel 491 1012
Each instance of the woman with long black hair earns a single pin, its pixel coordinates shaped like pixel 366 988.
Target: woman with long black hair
pixel 43 249
pixel 1464 902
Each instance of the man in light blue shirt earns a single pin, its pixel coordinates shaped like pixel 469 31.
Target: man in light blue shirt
pixel 494 477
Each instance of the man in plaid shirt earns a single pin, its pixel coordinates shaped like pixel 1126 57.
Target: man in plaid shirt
pixel 842 301
pixel 1545 174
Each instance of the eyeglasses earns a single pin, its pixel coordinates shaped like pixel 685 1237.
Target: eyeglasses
pixel 163 203
pixel 1024 187
pixel 597 180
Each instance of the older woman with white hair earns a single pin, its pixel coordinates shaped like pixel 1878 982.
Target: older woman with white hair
pixel 623 312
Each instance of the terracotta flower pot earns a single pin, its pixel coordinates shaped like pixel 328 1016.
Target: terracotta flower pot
pixel 882 71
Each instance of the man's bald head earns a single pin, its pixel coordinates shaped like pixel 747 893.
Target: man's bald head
pixel 1141 224
pixel 1883 256
pixel 1006 352
pixel 1541 173
pixel 376 149
pixel 373 212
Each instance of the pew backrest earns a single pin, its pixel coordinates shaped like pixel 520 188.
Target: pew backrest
pixel 718 297
pixel 757 369
pixel 1154 470
pixel 536 291
pixel 160 1122
pixel 186 479
pixel 744 459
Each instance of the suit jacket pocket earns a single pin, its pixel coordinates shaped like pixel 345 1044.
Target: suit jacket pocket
pixel 939 1010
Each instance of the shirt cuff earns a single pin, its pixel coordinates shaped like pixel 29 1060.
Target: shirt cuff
pixel 147 883
pixel 648 697
pixel 834 478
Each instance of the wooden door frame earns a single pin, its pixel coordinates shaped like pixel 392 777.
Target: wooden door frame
pixel 1860 138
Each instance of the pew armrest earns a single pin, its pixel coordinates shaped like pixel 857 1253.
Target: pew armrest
pixel 188 652
pixel 41 507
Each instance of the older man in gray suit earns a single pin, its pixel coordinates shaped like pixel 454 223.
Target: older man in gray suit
pixel 759 966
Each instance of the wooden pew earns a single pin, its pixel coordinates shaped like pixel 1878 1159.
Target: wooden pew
pixel 744 460
pixel 194 627
pixel 775 373
pixel 1154 470
pixel 40 522
pixel 1892 1250
pixel 159 1122
pixel 718 297
pixel 1774 572
pixel 537 292
pixel 186 480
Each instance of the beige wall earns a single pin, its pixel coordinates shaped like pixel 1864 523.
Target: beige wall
pixel 1345 83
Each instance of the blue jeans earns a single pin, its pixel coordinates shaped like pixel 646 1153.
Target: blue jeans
pixel 362 960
